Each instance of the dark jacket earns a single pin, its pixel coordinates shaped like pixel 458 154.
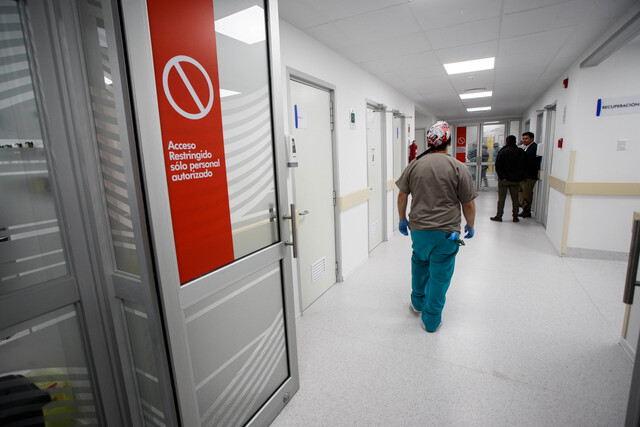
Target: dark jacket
pixel 511 163
pixel 533 161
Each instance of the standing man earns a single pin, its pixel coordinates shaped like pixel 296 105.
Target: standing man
pixel 439 184
pixel 511 165
pixel 531 176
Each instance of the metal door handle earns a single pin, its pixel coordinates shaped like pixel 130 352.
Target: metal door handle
pixel 632 266
pixel 294 231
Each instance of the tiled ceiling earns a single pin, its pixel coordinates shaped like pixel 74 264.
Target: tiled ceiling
pixel 406 42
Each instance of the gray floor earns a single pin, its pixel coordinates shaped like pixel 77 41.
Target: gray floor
pixel 528 339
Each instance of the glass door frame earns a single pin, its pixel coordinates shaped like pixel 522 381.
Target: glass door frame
pixel 83 287
pixel 175 297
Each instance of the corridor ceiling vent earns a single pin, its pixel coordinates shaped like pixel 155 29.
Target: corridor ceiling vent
pixel 471 110
pixel 470 66
pixel 473 95
pixel 246 26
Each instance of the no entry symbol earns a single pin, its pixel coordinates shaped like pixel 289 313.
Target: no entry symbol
pixel 174 63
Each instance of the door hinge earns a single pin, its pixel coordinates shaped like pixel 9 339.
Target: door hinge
pixel 336 266
pixel 331 114
pixel 334 198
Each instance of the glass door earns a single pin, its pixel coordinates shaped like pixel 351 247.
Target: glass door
pixel 55 350
pixel 493 136
pixel 206 86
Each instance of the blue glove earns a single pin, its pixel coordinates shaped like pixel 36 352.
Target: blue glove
pixel 403 225
pixel 453 236
pixel 470 232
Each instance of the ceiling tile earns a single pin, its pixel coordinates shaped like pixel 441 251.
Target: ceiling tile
pixel 553 39
pixel 434 14
pixel 584 37
pixel 301 14
pixel 511 6
pixel 470 33
pixel 545 18
pixel 391 22
pixel 362 52
pixel 329 35
pixel 468 52
pixel 341 9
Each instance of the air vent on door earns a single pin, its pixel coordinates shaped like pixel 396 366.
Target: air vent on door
pixel 318 269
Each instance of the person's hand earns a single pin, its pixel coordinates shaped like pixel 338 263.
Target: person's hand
pixel 470 232
pixel 403 225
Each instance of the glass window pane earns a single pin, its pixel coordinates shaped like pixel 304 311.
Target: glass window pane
pixel 44 375
pixel 144 364
pixel 243 66
pixel 99 74
pixel 31 249
pixel 493 137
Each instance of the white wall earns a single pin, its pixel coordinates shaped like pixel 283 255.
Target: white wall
pixel 353 87
pixel 596 222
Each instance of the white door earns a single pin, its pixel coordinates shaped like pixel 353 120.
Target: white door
pixel 314 191
pixel 397 164
pixel 374 172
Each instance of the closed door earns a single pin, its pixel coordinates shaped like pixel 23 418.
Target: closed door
pixel 493 137
pixel 55 345
pixel 211 142
pixel 374 175
pixel 398 138
pixel 314 189
pixel 466 151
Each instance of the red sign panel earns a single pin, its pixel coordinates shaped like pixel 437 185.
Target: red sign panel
pixel 461 144
pixel 186 71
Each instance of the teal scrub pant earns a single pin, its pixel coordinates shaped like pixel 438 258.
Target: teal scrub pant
pixel 432 265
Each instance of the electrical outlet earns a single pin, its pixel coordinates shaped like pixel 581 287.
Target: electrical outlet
pixel 622 145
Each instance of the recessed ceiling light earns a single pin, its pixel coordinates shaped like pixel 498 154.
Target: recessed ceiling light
pixel 476 95
pixel 471 110
pixel 246 25
pixel 469 66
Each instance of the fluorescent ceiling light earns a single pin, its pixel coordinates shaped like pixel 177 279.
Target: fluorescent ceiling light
pixel 469 66
pixel 246 25
pixel 224 93
pixel 471 110
pixel 476 95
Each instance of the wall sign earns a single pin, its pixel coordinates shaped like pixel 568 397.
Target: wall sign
pixel 461 144
pixel 617 106
pixel 186 72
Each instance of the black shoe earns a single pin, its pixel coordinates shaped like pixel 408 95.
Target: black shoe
pixel 496 218
pixel 525 215
pixel 515 219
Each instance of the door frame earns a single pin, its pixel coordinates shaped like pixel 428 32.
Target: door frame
pixel 382 109
pixel 175 297
pixel 403 148
pixel 547 159
pixel 304 78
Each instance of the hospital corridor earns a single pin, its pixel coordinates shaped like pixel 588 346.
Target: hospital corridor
pixel 229 213
pixel 527 339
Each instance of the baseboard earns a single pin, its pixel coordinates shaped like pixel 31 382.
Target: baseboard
pixel 553 245
pixel 345 276
pixel 628 350
pixel 597 254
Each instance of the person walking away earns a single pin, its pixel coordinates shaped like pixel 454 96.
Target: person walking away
pixel 526 186
pixel 439 185
pixel 510 167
